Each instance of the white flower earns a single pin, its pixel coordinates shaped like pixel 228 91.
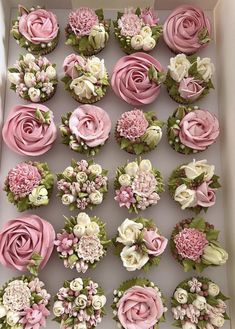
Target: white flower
pixel 68 171
pixel 131 168
pixel 137 42
pixel 153 135
pixel 92 229
pixel 3 311
pixel 196 168
pixel 14 77
pixel 181 296
pixel 83 219
pixel 179 66
pixel 76 284
pixel 189 325
pixel 81 301
pixel 133 260
pixel 217 321
pixel 79 230
pixel 98 302
pixel 96 67
pixel 213 289
pixel 51 72
pixel 185 196
pixel 128 232
pixel 146 31
pixel 98 36
pixel 149 43
pixel 67 199
pixel 205 68
pixel 83 86
pixel 12 318
pixel 29 58
pixel 29 79
pixel 96 197
pixel 124 180
pixel 58 308
pixel 81 177
pixel 39 196
pixel 34 94
pixel 145 165
pixel 81 325
pixel 200 303
pixel 95 169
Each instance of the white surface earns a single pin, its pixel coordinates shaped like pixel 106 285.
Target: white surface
pixel 109 272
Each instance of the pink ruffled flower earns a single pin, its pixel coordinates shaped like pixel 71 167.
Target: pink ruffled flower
pixel 205 195
pixel 23 178
pixel 132 124
pixel 82 20
pixel 190 89
pixel 144 184
pixel 69 65
pixel 130 24
pixel 154 242
pixel 65 243
pixel 35 316
pixel 125 196
pixel 90 249
pixel 190 243
pixel 149 16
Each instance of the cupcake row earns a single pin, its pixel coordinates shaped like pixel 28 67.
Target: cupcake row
pixel 186 30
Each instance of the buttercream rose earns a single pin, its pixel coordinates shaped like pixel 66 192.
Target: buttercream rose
pixel 26 131
pixel 39 26
pixel 187 29
pixel 190 89
pixel 155 243
pixel 70 63
pixel 130 79
pixel 22 237
pixel 90 124
pixel 140 308
pixel 205 195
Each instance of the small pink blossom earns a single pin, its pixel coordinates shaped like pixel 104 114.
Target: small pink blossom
pixel 82 20
pixel 65 243
pixel 132 124
pixel 149 16
pixel 125 196
pixel 34 317
pixel 130 24
pixel 36 285
pixel 192 313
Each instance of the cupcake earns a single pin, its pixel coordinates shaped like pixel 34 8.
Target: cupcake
pixel 29 129
pixel 29 185
pixel 139 244
pixel 82 185
pixel 139 304
pixel 24 303
pixel 187 30
pixel 85 78
pixel 138 132
pixel 86 129
pixel 138 185
pixel 88 299
pixel 198 302
pixel 33 78
pixel 137 78
pixel 194 244
pixel 192 129
pixel 188 78
pixel 87 242
pixel 137 30
pixel 87 31
pixel 193 185
pixel 36 30
pixel 26 243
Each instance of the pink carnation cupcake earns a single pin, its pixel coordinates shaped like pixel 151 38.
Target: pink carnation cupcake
pixel 36 30
pixel 26 243
pixel 187 30
pixel 137 78
pixel 29 129
pixel 86 129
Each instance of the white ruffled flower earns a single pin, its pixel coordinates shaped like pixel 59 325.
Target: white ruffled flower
pixel 29 79
pixel 81 177
pixel 213 289
pixel 181 296
pixel 34 94
pixel 179 66
pixel 3 311
pixel 128 232
pixel 137 42
pixel 124 180
pixel 28 58
pixel 39 196
pixel 79 230
pixel 217 321
pixel 95 169
pixel 205 68
pixel 98 36
pixel 200 303
pixel 51 72
pixel 145 165
pixel 92 228
pixel 133 260
pixel 131 168
pixel 81 301
pixel 96 197
pixel 96 67
pixel 153 135
pixel 14 77
pixel 58 308
pixel 196 168
pixel 83 219
pixel 146 31
pixel 76 284
pixel 185 196
pixel 12 318
pixel 98 302
pixel 67 199
pixel 149 43
pixel 83 86
pixel 189 325
pixel 16 296
pixel 68 172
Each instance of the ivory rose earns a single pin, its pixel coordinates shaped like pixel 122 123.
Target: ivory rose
pixel 128 232
pixel 196 168
pixel 132 259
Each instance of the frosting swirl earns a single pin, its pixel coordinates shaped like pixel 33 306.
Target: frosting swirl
pixel 29 129
pixel 130 79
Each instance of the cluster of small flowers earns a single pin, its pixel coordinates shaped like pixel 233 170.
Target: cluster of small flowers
pixel 79 304
pixel 33 78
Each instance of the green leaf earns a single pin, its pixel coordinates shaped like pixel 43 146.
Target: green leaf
pixel 188 264
pixel 124 143
pixel 212 235
pixel 138 148
pixel 198 223
pixel 100 14
pixel 13 70
pixel 83 43
pixel 202 324
pixel 138 11
pixel 212 301
pixel 119 14
pixel 191 297
pixel 177 323
pixel 66 79
pixel 200 267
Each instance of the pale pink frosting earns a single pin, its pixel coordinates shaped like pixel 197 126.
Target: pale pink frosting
pixel 69 65
pixel 24 134
pixel 149 16
pixel 205 195
pixel 38 26
pixel 23 236
pixel 90 124
pixel 140 308
pixel 130 79
pixel 199 129
pixel 190 89
pixel 182 28
pixel 154 242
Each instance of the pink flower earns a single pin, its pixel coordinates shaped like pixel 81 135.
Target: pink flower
pixel 154 242
pixel 23 178
pixel 199 129
pixel 82 20
pixel 190 89
pixel 140 308
pixel 144 184
pixel 35 316
pixel 132 124
pixel 149 16
pixel 38 26
pixel 65 243
pixel 90 124
pixel 190 243
pixel 125 197
pixel 130 24
pixel 69 65
pixel 205 195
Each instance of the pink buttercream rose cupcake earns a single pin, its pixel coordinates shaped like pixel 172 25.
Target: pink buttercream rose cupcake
pixel 137 78
pixel 139 304
pixel 29 129
pixel 36 29
pixel 191 129
pixel 26 243
pixel 187 30
pixel 144 248
pixel 86 129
